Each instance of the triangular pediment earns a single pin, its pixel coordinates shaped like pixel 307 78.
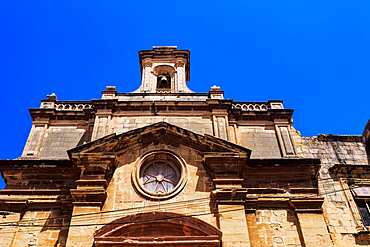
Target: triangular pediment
pixel 160 132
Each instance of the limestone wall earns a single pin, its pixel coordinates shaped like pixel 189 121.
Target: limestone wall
pixel 273 228
pixel 58 140
pixel 52 142
pixel 196 124
pixel 333 150
pixel 33 235
pixel 261 140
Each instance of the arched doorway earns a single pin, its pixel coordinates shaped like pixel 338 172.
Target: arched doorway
pixel 157 228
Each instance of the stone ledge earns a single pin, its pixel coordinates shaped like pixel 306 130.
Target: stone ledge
pixel 362 235
pixel 343 138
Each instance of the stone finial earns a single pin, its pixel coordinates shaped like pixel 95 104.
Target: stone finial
pixel 51 97
pixel 215 88
pixel 111 88
pixel 216 93
pixel 109 93
pixel 276 104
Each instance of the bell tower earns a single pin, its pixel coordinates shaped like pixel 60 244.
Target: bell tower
pixel 164 70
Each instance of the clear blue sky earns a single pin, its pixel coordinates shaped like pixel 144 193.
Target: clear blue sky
pixel 312 54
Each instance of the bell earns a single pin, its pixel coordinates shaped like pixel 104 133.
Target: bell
pixel 164 82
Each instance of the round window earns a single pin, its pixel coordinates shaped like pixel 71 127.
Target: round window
pixel 159 175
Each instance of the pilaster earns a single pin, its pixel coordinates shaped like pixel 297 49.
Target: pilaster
pixel 220 123
pixel 147 76
pixel 229 196
pixel 102 125
pixel 8 232
pixel 285 139
pixel 89 196
pixel 233 224
pixel 36 137
pixel 83 225
pixel 311 223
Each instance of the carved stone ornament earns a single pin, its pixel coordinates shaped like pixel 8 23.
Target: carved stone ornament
pixel 159 175
pixel 179 64
pixel 148 64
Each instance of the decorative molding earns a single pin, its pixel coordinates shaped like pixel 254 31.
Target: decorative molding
pixel 72 107
pixel 179 63
pixel 285 139
pixel 251 106
pixel 148 64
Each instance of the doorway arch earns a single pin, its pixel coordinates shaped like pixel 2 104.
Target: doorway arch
pixel 157 228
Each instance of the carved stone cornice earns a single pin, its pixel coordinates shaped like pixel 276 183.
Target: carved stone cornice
pixel 13 204
pixel 91 187
pixel 148 63
pixel 160 132
pixel 225 168
pixel 230 196
pixel 88 196
pixel 351 171
pixel 104 161
pixel 307 205
pixel 179 63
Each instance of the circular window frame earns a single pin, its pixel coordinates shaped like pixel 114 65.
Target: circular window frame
pixel 159 156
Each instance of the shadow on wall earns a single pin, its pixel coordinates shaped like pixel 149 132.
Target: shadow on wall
pixel 368 152
pixel 204 183
pixel 54 223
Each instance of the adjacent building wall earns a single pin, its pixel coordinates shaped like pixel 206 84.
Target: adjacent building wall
pixel 341 221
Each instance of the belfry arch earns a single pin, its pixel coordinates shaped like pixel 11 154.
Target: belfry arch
pixel 164 73
pixel 157 228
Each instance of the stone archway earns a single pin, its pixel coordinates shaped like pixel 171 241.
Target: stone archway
pixel 157 228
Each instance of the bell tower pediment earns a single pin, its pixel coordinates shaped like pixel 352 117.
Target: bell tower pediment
pixel 164 70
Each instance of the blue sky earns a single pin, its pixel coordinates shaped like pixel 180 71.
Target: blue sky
pixel 312 54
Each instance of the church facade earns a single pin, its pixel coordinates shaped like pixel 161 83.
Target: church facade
pixel 167 166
